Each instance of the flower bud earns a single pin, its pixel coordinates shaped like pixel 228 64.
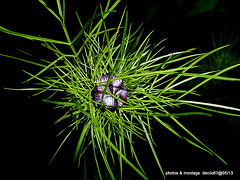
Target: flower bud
pixel 115 88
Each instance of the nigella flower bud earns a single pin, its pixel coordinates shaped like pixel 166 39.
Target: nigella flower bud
pixel 115 87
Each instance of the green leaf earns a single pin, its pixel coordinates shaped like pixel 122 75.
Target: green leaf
pixel 30 37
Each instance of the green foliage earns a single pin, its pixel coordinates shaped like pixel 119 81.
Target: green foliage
pixel 152 80
pixel 219 61
pixel 202 6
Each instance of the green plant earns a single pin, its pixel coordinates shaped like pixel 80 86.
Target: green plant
pixel 224 58
pixel 151 79
pixel 220 60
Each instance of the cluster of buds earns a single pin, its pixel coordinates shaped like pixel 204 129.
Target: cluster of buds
pixel 115 88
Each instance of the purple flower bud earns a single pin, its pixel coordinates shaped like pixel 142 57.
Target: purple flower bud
pixel 115 87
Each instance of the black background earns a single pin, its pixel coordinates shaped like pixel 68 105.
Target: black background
pixel 28 133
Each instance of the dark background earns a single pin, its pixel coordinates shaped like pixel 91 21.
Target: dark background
pixel 28 133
